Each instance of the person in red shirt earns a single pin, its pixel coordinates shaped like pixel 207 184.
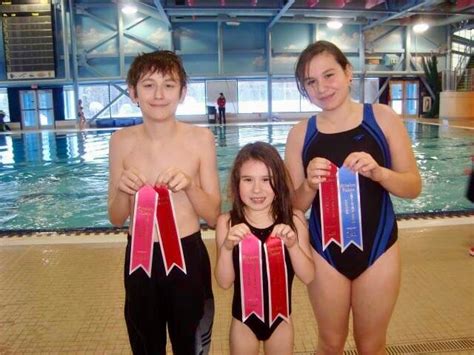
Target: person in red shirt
pixel 221 106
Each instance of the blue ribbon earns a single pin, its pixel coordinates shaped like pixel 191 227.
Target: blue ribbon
pixel 350 208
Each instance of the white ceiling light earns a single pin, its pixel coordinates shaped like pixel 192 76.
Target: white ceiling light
pixel 129 9
pixel 420 27
pixel 232 23
pixel 334 25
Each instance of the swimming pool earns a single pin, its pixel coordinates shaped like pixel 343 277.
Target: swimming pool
pixel 58 180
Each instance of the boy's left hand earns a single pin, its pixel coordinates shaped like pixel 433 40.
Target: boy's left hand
pixel 173 178
pixel 285 233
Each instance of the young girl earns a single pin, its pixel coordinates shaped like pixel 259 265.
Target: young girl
pixel 358 269
pixel 261 216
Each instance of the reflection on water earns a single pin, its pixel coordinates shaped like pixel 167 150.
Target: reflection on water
pixel 59 180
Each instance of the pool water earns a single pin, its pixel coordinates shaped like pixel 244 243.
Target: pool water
pixel 58 180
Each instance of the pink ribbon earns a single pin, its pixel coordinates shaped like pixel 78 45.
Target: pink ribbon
pixel 277 279
pixel 251 283
pixel 143 228
pixel 170 242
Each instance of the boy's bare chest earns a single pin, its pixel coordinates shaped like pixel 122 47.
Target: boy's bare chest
pixel 151 161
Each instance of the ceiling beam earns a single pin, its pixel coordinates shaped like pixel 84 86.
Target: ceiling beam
pixel 162 12
pixel 280 13
pixel 398 15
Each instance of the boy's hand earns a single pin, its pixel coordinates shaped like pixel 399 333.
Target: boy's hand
pixel 286 234
pixel 364 164
pixel 173 178
pixel 235 235
pixel 131 181
pixel 317 171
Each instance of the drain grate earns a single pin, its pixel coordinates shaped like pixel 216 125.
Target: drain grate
pixel 433 347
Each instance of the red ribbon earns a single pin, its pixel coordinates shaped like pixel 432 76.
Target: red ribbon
pixel 277 279
pixel 251 283
pixel 143 229
pixel 329 206
pixel 170 243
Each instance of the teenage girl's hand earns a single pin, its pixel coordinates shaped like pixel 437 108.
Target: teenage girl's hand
pixel 364 164
pixel 173 178
pixel 235 235
pixel 317 171
pixel 285 233
pixel 131 181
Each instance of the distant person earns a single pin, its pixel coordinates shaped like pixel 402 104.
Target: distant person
pixel 81 116
pixel 221 106
pixel 3 125
pixel 163 176
pixel 345 162
pixel 261 239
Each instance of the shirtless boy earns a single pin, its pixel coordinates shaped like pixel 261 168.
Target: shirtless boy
pixel 163 152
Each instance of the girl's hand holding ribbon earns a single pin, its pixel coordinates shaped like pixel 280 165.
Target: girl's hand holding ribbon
pixel 131 181
pixel 286 234
pixel 235 235
pixel 365 165
pixel 317 171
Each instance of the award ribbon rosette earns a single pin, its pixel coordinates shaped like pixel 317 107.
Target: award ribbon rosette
pixel 154 212
pixel 277 279
pixel 251 281
pixel 339 199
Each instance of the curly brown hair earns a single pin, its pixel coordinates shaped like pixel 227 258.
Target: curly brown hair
pixel 162 61
pixel 282 209
pixel 312 51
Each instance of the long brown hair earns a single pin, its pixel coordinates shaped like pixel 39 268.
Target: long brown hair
pixel 312 51
pixel 282 209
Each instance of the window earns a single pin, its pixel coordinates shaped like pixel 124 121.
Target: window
pixel 253 96
pixel 195 100
pixel 70 110
pixel 4 104
pixel 124 106
pixel 285 96
pixel 94 99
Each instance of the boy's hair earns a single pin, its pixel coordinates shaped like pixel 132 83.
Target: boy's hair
pixel 312 51
pixel 282 209
pixel 162 61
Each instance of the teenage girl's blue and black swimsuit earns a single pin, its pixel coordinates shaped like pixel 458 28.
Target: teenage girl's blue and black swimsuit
pixel 379 225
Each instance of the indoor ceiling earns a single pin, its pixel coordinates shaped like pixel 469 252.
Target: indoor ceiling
pixel 368 13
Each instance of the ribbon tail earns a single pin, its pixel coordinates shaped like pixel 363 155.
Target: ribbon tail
pixel 170 241
pixel 251 282
pixel 351 221
pixel 141 251
pixel 277 280
pixel 329 206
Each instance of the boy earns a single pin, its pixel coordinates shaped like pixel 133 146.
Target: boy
pixel 182 158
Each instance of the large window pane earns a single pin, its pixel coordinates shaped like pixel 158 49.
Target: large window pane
pixel 70 109
pixel 253 96
pixel 412 90
pixel 123 107
pixel 94 99
pixel 285 96
pixel 195 100
pixel 4 104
